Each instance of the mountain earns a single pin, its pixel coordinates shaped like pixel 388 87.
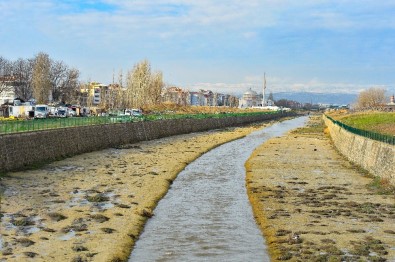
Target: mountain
pixel 317 98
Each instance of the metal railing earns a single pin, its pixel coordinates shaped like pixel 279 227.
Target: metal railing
pixel 17 126
pixel 368 134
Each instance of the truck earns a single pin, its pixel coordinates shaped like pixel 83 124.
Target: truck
pixel 20 111
pixel 41 111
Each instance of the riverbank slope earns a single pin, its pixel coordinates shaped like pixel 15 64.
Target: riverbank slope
pixel 313 205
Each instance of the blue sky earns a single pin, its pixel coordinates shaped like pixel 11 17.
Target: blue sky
pixel 310 45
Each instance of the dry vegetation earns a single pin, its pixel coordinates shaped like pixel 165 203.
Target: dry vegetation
pixel 179 109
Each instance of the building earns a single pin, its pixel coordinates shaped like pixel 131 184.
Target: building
pixel 250 99
pixel 93 92
pixel 7 89
pixel 202 97
pixel 391 105
pixel 175 95
pixel 195 99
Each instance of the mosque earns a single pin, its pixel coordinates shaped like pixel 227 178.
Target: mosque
pixel 253 99
pixel 250 99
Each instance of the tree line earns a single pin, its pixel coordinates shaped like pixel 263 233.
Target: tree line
pixel 40 77
pixel 45 80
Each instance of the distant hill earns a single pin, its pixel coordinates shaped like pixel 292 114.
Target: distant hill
pixel 317 98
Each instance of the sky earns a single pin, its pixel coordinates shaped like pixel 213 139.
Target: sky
pixel 330 46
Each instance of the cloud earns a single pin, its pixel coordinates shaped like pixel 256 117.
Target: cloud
pixel 328 43
pixel 275 85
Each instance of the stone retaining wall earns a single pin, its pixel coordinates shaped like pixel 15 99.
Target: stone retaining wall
pixel 376 157
pixel 22 150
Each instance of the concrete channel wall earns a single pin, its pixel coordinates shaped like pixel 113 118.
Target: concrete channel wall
pixel 22 150
pixel 376 157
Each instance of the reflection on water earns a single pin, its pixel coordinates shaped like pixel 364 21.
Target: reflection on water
pixel 206 215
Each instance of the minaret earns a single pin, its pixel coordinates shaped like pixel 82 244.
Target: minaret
pixel 263 91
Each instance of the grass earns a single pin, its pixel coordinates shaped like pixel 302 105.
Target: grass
pixel 379 122
pixel 53 123
pixel 316 126
pixel 382 186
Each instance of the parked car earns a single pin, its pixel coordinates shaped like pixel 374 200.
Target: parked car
pixel 61 112
pixel 71 112
pixel 133 112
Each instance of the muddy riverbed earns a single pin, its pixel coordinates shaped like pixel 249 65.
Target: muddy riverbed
pixel 92 207
pixel 313 205
pixel 309 202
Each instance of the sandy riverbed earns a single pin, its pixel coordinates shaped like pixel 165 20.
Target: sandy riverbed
pixel 92 207
pixel 313 205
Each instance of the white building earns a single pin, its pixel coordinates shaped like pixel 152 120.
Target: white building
pixel 250 99
pixel 7 89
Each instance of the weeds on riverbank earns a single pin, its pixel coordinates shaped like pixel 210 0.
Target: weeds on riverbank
pixel 379 122
pixel 382 186
pixel 315 126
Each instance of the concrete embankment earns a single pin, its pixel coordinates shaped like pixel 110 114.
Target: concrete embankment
pixel 22 150
pixel 376 157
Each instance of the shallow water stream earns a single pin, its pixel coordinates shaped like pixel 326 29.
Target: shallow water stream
pixel 206 215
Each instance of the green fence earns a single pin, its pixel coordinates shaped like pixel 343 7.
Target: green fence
pixel 369 134
pixel 16 126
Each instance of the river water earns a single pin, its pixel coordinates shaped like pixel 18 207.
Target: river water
pixel 206 215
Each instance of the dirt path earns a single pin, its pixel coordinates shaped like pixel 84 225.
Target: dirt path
pixel 92 207
pixel 313 205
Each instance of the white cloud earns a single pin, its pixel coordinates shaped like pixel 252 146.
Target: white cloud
pixel 275 85
pixel 190 30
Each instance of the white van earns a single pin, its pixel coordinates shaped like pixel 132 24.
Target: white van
pixel 41 111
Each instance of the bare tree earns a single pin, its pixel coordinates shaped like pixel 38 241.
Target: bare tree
pixel 155 88
pixel 120 95
pixel 5 67
pixel 64 81
pixel 143 87
pixel 5 74
pixel 130 92
pixel 23 72
pixel 41 77
pixel 41 80
pixel 371 98
pixel 138 82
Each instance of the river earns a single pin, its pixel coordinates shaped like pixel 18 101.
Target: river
pixel 206 215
